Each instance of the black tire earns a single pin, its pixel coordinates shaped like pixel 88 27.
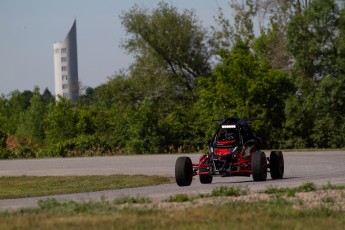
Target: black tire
pixel 183 171
pixel 259 166
pixel 205 179
pixel 277 165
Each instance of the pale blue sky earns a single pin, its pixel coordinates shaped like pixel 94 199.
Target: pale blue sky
pixel 28 29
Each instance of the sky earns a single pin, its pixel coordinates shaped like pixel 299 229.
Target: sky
pixel 29 28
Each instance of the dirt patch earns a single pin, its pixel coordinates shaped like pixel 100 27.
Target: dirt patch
pixel 332 199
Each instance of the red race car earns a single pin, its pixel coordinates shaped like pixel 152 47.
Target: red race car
pixel 233 151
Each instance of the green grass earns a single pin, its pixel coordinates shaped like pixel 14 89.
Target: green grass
pixel 275 213
pixel 182 198
pixel 103 214
pixel 219 191
pixel 229 191
pixel 330 186
pixel 132 200
pixel 307 187
pixel 32 186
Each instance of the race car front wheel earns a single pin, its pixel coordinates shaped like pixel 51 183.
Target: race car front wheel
pixel 183 171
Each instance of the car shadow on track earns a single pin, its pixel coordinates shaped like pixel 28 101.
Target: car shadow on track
pixel 251 181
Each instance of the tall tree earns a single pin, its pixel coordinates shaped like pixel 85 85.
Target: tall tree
pixel 312 38
pixel 244 13
pixel 313 113
pixel 341 41
pixel 176 40
pixel 262 24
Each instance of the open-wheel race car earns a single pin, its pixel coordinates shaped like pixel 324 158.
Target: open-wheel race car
pixel 233 151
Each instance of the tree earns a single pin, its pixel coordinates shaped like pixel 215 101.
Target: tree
pixel 87 98
pixel 300 116
pixel 262 24
pixel 340 43
pixel 329 127
pixel 171 53
pixel 311 38
pixel 245 86
pixel 47 97
pixel 31 124
pixel 61 122
pixel 112 104
pixel 175 39
pixel 3 114
pixel 12 107
pixel 244 14
pixel 313 114
pixel 143 130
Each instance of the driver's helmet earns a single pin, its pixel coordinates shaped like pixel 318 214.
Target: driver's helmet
pixel 231 136
pixel 222 137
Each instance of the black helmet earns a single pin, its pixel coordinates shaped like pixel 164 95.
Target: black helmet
pixel 231 136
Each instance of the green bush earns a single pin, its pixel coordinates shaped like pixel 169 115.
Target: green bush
pixel 79 146
pixel 6 154
pixel 24 152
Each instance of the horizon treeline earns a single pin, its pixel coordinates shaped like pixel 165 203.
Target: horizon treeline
pixel 283 61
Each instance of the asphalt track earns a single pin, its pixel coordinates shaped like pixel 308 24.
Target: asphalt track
pixel 319 167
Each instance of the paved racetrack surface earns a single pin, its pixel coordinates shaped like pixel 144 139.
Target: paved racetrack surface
pixel 319 167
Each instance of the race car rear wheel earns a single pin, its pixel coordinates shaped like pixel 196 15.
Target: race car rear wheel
pixel 205 179
pixel 277 164
pixel 183 171
pixel 259 166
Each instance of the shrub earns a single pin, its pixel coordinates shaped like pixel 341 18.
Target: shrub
pixel 6 154
pixel 25 152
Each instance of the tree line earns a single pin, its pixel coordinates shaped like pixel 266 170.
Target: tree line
pixel 283 61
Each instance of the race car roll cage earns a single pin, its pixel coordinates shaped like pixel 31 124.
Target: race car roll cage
pixel 239 155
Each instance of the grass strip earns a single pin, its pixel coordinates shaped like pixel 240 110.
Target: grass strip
pixel 266 214
pixel 132 200
pixel 273 213
pixel 33 186
pixel 290 192
pixel 218 191
pixel 306 187
pixel 276 212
